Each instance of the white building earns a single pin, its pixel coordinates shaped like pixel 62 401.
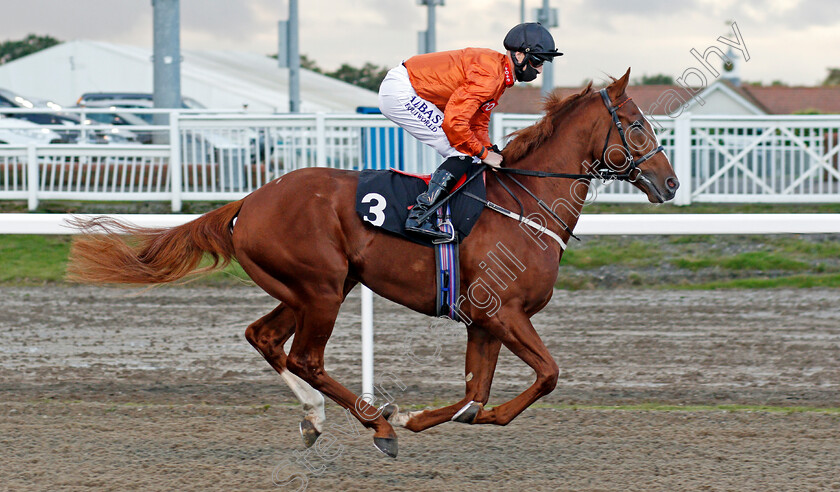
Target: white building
pixel 217 79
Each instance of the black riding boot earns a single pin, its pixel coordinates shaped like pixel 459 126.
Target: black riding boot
pixel 440 185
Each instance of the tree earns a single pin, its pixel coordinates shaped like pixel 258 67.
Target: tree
pixel 368 77
pixel 833 77
pixel 305 62
pixel 11 50
pixel 308 64
pixel 658 79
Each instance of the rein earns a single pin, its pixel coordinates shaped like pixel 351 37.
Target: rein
pixel 605 175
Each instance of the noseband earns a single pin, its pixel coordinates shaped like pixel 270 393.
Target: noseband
pixel 628 156
pixel 603 175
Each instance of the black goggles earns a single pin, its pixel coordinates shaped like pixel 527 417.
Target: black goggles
pixel 537 60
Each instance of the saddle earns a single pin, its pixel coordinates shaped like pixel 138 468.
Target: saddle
pixel 384 198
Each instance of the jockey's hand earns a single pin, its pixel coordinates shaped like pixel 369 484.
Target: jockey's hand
pixel 493 159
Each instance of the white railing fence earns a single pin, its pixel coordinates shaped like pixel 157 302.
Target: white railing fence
pixel 752 159
pixel 223 156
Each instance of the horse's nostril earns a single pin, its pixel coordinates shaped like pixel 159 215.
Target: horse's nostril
pixel 672 183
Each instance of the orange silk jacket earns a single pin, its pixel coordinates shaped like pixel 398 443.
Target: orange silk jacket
pixel 466 85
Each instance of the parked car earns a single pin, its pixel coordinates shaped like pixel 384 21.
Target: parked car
pixel 14 131
pixel 130 100
pixel 203 148
pixel 127 100
pixel 73 132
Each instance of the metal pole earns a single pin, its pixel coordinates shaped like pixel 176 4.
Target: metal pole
pixel 294 58
pixel 283 44
pixel 522 11
pixel 548 68
pixel 367 344
pixel 167 56
pixel 430 29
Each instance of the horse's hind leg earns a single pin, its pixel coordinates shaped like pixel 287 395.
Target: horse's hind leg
pixel 315 320
pixel 268 335
pixel 479 367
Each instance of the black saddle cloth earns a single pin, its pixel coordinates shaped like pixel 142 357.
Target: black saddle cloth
pixel 383 199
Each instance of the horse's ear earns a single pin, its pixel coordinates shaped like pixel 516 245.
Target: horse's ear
pixel 616 89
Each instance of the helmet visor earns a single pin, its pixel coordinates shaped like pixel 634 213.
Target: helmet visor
pixel 536 61
pixel 544 56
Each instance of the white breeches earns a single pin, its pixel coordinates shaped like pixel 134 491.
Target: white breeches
pixel 422 119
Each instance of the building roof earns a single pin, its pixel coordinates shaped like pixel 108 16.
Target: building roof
pixel 768 100
pixel 789 100
pixel 217 79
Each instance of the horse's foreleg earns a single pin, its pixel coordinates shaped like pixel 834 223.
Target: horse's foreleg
pixel 516 332
pixel 315 321
pixel 479 367
pixel 268 335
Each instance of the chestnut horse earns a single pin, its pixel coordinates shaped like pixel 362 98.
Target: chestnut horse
pixel 300 239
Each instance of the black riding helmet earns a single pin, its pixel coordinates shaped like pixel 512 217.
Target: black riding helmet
pixel 532 39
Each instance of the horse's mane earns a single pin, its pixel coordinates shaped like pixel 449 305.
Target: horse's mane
pixel 529 138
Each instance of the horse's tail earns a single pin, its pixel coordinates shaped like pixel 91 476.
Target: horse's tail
pixel 111 251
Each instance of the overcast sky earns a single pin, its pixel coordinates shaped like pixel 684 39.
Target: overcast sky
pixel 789 40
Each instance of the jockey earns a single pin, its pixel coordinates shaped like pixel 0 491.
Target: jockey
pixel 444 100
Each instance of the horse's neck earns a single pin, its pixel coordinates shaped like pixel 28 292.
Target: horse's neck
pixel 563 152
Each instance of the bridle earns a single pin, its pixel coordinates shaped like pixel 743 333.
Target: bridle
pixel 609 174
pixel 628 157
pixel 606 175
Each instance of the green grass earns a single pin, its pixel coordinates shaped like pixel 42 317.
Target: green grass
pixel 754 260
pixel 792 281
pixel 797 246
pixel 635 254
pixel 233 274
pixel 701 262
pixel 793 261
pixel 36 260
pixel 33 259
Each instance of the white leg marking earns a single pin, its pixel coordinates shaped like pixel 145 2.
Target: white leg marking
pixel 402 418
pixel 312 399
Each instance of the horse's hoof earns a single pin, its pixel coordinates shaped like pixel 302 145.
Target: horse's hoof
pixel 308 432
pixel 388 445
pixel 389 410
pixel 467 414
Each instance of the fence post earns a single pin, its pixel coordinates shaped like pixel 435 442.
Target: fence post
pixel 367 344
pixel 497 123
pixel 175 160
pixel 682 158
pixel 321 140
pixel 32 180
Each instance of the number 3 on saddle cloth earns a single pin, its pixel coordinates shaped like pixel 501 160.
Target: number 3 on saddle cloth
pixel 383 200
